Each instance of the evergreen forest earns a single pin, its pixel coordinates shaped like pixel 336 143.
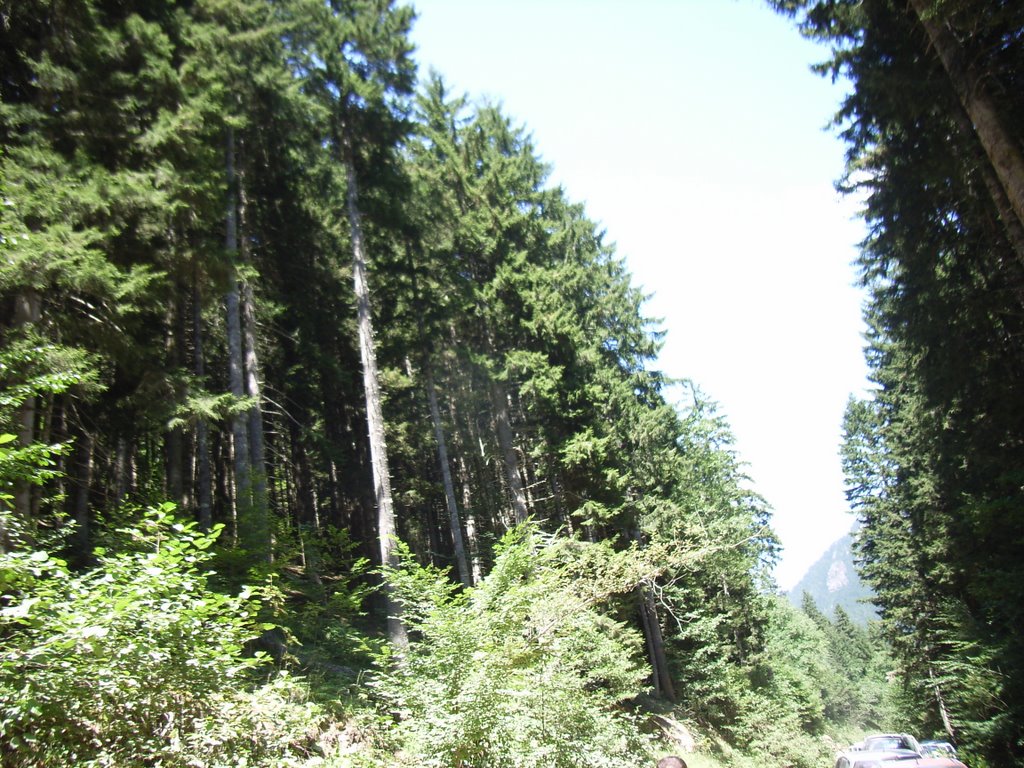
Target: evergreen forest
pixel 332 433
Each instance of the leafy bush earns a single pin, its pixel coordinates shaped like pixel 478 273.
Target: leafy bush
pixel 135 661
pixel 525 670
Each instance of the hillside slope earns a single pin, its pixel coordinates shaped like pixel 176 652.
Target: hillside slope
pixel 833 581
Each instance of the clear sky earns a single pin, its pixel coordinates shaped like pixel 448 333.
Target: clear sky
pixel 694 132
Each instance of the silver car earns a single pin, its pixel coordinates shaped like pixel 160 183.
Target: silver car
pixel 875 758
pixel 884 741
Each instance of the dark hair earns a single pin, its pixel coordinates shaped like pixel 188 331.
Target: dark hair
pixel 671 762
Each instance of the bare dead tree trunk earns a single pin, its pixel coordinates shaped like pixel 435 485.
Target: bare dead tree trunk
pixel 374 413
pixel 999 144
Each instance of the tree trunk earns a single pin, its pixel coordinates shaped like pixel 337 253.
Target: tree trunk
pixel 374 413
pixel 27 312
pixel 305 503
pixel 204 479
pixel 463 438
pixel 499 401
pixel 947 724
pixel 124 469
pixel 1000 146
pixel 82 469
pixel 248 536
pixel 656 644
pixel 257 442
pixel 174 439
pixel 1012 226
pixel 476 570
pixel 652 656
pixel 472 538
pixel 446 478
pixel 257 450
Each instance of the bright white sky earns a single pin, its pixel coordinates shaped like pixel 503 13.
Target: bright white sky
pixel 693 131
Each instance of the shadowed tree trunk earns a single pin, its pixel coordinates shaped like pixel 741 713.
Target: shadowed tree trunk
pixel 510 458
pixel 305 502
pixel 174 440
pixel 1000 145
pixel 81 468
pixel 1012 226
pixel 27 312
pixel 655 644
pixel 204 479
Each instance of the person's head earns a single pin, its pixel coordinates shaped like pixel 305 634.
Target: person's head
pixel 671 762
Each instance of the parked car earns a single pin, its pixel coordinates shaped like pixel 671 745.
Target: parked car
pixel 893 758
pixel 876 758
pixel 883 741
pixel 937 749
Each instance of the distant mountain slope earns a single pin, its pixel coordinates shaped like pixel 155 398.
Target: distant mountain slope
pixel 833 581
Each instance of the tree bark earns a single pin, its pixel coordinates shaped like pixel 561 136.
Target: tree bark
pixel 305 502
pixel 251 369
pixel 1012 226
pixel 1002 150
pixel 499 402
pixel 374 413
pixel 476 569
pixel 257 445
pixel 947 723
pixel 446 478
pixel 656 643
pixel 27 312
pixel 652 656
pixel 82 468
pixel 174 439
pixel 248 537
pixel 204 477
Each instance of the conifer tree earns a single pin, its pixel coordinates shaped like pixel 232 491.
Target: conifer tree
pixel 933 150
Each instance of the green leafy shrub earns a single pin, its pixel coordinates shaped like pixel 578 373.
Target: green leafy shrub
pixel 135 661
pixel 525 670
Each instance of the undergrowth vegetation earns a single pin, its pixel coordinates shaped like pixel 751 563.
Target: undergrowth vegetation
pixel 136 661
pixel 528 669
pixel 142 659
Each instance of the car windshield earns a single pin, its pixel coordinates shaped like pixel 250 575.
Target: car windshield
pixel 887 742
